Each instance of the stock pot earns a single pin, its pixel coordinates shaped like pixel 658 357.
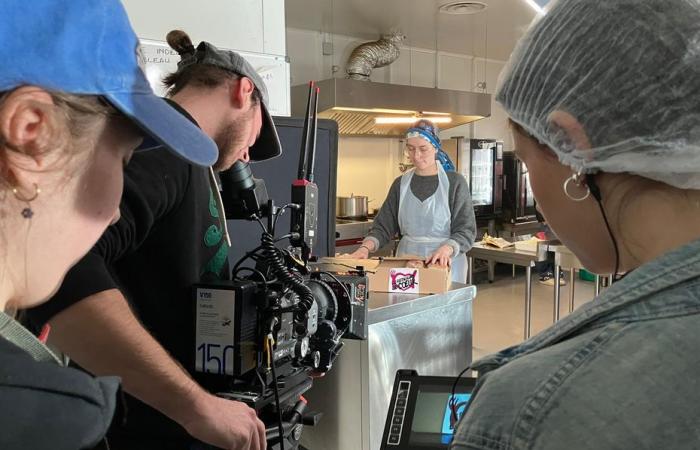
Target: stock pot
pixel 354 206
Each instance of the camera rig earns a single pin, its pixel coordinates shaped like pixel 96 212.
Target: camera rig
pixel 263 335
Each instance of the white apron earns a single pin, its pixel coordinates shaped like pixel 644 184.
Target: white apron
pixel 426 225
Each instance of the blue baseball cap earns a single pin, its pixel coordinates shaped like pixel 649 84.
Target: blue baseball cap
pixel 88 47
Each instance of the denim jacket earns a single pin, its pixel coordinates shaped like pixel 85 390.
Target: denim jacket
pixel 621 372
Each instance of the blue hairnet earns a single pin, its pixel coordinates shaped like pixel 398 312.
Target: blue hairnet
pixel 628 71
pixel 429 131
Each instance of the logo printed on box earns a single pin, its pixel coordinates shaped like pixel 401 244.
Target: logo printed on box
pixel 403 280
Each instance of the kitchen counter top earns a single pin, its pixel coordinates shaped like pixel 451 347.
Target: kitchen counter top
pixel 509 255
pixel 385 306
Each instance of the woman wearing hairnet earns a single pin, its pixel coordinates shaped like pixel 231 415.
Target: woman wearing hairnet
pixel 429 206
pixel 605 103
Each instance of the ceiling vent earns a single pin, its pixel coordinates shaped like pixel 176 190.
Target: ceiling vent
pixel 462 7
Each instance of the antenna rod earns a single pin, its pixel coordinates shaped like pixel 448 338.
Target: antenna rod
pixel 303 152
pixel 312 144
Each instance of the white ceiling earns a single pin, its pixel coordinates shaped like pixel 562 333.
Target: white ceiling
pixel 491 33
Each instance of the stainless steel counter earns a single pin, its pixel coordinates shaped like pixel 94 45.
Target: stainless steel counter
pixel 384 306
pixel 429 333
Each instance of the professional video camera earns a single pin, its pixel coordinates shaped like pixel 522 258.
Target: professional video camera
pixel 261 337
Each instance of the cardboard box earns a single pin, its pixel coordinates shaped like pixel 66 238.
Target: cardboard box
pixel 529 245
pixel 394 274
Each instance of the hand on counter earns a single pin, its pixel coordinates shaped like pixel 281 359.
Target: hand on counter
pixel 226 424
pixel 441 257
pixel 360 253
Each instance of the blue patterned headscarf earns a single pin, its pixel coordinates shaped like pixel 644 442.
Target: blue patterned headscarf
pixel 427 130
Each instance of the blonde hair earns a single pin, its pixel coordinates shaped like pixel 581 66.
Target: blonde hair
pixel 71 119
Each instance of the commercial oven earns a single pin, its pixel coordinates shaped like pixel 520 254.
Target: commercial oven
pixel 518 199
pixel 481 163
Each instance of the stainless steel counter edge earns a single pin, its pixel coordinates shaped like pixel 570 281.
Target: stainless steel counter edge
pixel 384 306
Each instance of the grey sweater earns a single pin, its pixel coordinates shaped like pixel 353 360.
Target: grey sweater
pixel 463 226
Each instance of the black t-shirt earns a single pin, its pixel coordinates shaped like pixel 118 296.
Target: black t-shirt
pixel 46 406
pixel 170 236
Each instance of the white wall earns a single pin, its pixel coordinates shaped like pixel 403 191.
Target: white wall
pixel 367 166
pixel 246 25
pixel 305 51
pixel 495 126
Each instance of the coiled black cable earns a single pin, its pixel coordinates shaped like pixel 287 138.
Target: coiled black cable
pixel 294 281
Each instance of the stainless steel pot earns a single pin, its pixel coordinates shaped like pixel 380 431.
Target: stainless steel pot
pixel 354 206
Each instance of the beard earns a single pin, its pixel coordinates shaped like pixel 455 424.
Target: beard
pixel 232 139
pixel 230 144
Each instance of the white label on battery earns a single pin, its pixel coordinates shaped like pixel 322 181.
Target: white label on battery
pixel 404 280
pixel 214 331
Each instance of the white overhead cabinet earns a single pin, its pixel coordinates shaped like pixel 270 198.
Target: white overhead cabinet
pixel 422 68
pixel 455 72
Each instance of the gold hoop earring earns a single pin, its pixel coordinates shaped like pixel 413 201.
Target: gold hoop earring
pixel 27 212
pixel 577 181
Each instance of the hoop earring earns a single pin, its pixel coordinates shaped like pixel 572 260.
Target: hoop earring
pixel 27 212
pixel 577 181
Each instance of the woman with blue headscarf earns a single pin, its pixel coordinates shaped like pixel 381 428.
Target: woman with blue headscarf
pixel 429 206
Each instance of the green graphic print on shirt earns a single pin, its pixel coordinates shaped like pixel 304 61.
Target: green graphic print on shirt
pixel 212 237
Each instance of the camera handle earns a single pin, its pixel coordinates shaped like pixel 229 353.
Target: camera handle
pixel 292 426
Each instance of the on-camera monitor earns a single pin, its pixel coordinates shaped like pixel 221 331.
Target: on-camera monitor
pixel 433 419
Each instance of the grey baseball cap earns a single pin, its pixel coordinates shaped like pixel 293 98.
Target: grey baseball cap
pixel 268 143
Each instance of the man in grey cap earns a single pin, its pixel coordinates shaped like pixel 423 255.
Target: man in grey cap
pixel 125 309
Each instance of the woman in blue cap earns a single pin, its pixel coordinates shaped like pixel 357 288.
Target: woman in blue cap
pixel 73 106
pixel 429 206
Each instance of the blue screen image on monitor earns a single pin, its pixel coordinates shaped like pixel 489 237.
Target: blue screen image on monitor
pixel 449 421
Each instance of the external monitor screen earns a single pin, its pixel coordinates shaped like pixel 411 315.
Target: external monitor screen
pixel 434 421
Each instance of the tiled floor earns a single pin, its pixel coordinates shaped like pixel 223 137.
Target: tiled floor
pixel 499 307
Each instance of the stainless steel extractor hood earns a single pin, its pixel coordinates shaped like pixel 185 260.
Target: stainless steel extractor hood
pixel 358 106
